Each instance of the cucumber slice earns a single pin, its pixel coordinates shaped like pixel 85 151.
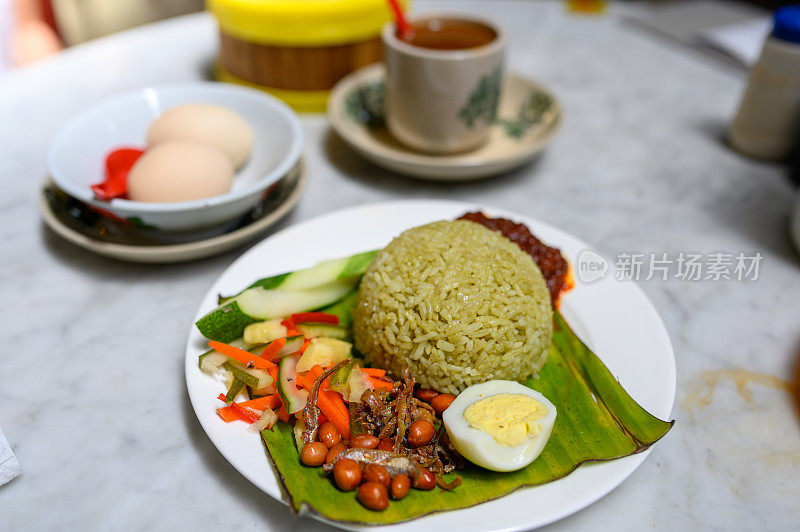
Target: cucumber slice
pixel 315 330
pixel 267 283
pixel 322 273
pixel 253 377
pixel 263 332
pixel 297 432
pixel 293 399
pixel 324 352
pixel 261 392
pixel 256 304
pixel 267 304
pixel 357 384
pixel 338 380
pixel 225 323
pixel 233 391
pixel 293 345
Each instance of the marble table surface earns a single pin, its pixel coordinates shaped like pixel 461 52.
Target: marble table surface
pixel 92 397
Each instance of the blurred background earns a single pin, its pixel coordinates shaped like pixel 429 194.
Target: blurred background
pixel 34 29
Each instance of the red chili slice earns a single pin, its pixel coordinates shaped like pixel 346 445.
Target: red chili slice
pixel 315 317
pixel 118 165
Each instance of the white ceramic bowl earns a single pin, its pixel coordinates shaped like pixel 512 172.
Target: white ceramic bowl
pixel 76 157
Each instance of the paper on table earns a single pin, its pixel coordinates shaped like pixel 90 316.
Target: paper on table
pixel 736 29
pixel 741 41
pixel 9 467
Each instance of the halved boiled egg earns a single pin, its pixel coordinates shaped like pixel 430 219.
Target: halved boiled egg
pixel 500 425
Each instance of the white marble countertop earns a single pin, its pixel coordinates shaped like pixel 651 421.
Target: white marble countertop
pixel 92 397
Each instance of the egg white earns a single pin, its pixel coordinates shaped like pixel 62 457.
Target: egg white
pixel 481 448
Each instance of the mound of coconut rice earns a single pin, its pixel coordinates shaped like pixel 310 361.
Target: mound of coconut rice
pixel 456 303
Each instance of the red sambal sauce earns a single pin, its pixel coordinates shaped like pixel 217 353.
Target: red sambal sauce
pixel 553 265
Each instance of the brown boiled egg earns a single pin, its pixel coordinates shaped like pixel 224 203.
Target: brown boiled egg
pixel 179 170
pixel 206 124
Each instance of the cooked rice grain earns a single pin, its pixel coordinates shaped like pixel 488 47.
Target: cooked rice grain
pixel 456 303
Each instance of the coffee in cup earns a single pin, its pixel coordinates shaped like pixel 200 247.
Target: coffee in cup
pixel 443 82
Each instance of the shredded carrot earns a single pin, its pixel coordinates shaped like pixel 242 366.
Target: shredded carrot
pixel 245 414
pixel 229 413
pixel 241 412
pixel 312 375
pixel 240 355
pixel 262 403
pixel 379 383
pixel 273 372
pixel 315 317
pixel 374 372
pixel 329 402
pixel 272 348
pixel 283 415
pixel 303 348
pixel 332 405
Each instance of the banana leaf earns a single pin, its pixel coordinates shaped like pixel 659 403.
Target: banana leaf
pixel 597 420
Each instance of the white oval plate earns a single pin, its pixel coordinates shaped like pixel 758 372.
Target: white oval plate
pixel 614 318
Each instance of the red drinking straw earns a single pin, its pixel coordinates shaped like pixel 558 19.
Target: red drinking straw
pixel 403 27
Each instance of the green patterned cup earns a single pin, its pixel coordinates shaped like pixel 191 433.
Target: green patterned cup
pixel 442 100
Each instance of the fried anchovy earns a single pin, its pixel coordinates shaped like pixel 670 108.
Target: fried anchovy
pixel 395 463
pixel 403 398
pixel 311 410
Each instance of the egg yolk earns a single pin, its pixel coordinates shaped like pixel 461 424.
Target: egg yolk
pixel 509 418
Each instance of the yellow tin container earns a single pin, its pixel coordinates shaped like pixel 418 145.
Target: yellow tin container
pixel 297 49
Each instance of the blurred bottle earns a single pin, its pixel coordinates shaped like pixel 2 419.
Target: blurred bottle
pixel 767 124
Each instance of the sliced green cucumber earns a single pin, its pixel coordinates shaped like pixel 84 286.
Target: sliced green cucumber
pixel 253 377
pixel 338 380
pixel 326 271
pixel 267 283
pixel 293 345
pixel 357 384
pixel 267 304
pixel 322 273
pixel 261 392
pixel 324 352
pixel 256 304
pixel 225 323
pixel 293 399
pixel 315 330
pixel 297 432
pixel 263 332
pixel 233 391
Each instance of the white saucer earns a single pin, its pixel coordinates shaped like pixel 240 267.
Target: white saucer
pixel 293 184
pixel 529 117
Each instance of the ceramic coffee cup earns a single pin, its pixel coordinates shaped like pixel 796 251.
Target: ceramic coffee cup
pixel 443 100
